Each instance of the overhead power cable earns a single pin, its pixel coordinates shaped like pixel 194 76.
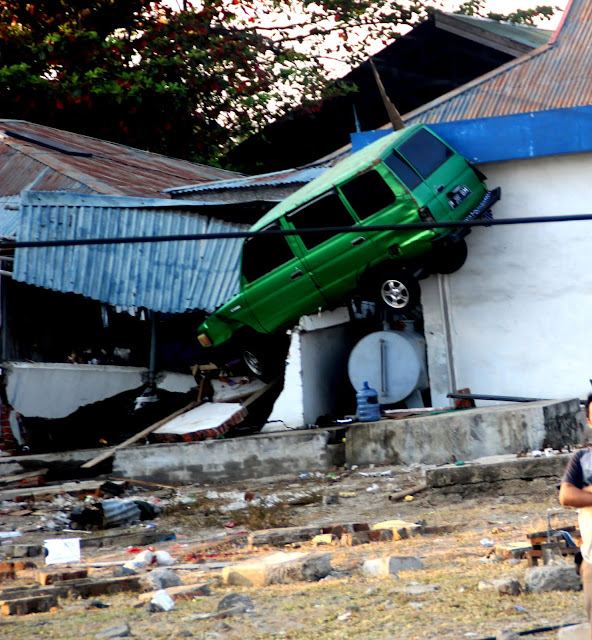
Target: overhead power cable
pixel 223 235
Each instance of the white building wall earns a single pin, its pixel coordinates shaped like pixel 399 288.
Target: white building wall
pixel 516 319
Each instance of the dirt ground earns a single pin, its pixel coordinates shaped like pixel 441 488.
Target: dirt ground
pixel 345 604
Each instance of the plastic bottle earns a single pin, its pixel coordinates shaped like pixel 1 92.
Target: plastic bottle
pixel 368 407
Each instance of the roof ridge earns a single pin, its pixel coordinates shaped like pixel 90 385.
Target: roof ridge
pixel 49 160
pixel 511 64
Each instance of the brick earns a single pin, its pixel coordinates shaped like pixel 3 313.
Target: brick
pixel 95 588
pixel 381 535
pixel 47 577
pixel 23 550
pixel 283 536
pixel 387 566
pixel 512 550
pixel 325 538
pixel 355 538
pixel 183 592
pixel 278 568
pixel 401 529
pixel 7 572
pixel 24 606
pixel 81 588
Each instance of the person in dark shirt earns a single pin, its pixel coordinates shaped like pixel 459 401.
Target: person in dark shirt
pixel 576 491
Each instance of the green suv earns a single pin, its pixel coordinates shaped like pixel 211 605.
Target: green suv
pixel 408 176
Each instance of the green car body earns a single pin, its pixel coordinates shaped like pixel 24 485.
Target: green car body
pixel 405 177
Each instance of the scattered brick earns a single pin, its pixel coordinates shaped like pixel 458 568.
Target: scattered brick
pixel 24 606
pixel 401 529
pixel 355 538
pixel 47 577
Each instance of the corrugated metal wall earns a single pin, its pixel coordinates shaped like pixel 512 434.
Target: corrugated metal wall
pixel 171 277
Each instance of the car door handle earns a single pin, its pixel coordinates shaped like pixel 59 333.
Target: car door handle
pixel 297 274
pixel 357 241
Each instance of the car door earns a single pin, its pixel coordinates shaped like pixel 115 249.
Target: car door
pixel 377 198
pixel 275 284
pixel 334 260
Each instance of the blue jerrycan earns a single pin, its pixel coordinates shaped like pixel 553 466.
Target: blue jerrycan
pixel 368 407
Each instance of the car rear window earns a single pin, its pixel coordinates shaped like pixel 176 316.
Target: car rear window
pixel 263 254
pixel 368 193
pixel 327 210
pixel 425 152
pixel 402 170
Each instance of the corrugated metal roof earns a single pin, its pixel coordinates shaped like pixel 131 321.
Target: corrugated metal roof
pixel 274 179
pixel 524 34
pixel 556 75
pixel 171 277
pixel 87 165
pixel 9 215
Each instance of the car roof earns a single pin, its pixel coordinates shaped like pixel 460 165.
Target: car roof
pixel 344 170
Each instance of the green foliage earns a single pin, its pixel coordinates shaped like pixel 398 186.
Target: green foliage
pixel 188 82
pixel 519 16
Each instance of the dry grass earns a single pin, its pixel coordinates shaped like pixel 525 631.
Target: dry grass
pixel 370 608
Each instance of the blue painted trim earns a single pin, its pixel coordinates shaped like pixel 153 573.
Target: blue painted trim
pixel 500 138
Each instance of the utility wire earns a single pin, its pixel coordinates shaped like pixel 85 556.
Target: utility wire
pixel 459 224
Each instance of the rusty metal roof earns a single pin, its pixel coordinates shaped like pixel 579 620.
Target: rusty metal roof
pixel 42 158
pixel 556 75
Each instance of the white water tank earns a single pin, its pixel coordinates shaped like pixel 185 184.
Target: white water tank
pixel 392 362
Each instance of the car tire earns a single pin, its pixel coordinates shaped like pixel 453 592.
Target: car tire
pixel 264 357
pixel 448 257
pixel 397 290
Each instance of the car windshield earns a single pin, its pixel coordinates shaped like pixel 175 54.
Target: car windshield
pixel 425 152
pixel 263 254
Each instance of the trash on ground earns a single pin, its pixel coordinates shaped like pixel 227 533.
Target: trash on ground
pixel 62 550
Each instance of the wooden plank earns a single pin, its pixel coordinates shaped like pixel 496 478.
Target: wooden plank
pixel 22 476
pixel 144 483
pixel 259 393
pixel 141 434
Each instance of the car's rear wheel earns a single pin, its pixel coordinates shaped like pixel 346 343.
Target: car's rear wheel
pixel 448 257
pixel 397 290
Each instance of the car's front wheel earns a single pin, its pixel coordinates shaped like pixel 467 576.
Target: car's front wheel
pixel 265 356
pixel 397 290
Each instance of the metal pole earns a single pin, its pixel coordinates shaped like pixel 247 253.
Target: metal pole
pixel 152 364
pixel 477 396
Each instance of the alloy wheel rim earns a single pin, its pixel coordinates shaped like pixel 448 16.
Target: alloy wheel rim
pixel 395 294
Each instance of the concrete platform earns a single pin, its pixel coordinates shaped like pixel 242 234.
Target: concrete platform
pixel 467 434
pixel 439 439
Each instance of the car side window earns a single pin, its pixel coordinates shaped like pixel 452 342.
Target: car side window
pixel 403 170
pixel 425 152
pixel 264 254
pixel 327 210
pixel 368 193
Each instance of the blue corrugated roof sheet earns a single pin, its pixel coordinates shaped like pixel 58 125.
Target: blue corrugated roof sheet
pixel 9 215
pixel 274 179
pixel 170 277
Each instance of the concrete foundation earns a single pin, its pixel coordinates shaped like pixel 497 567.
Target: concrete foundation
pixel 438 439
pixel 226 460
pixel 467 435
